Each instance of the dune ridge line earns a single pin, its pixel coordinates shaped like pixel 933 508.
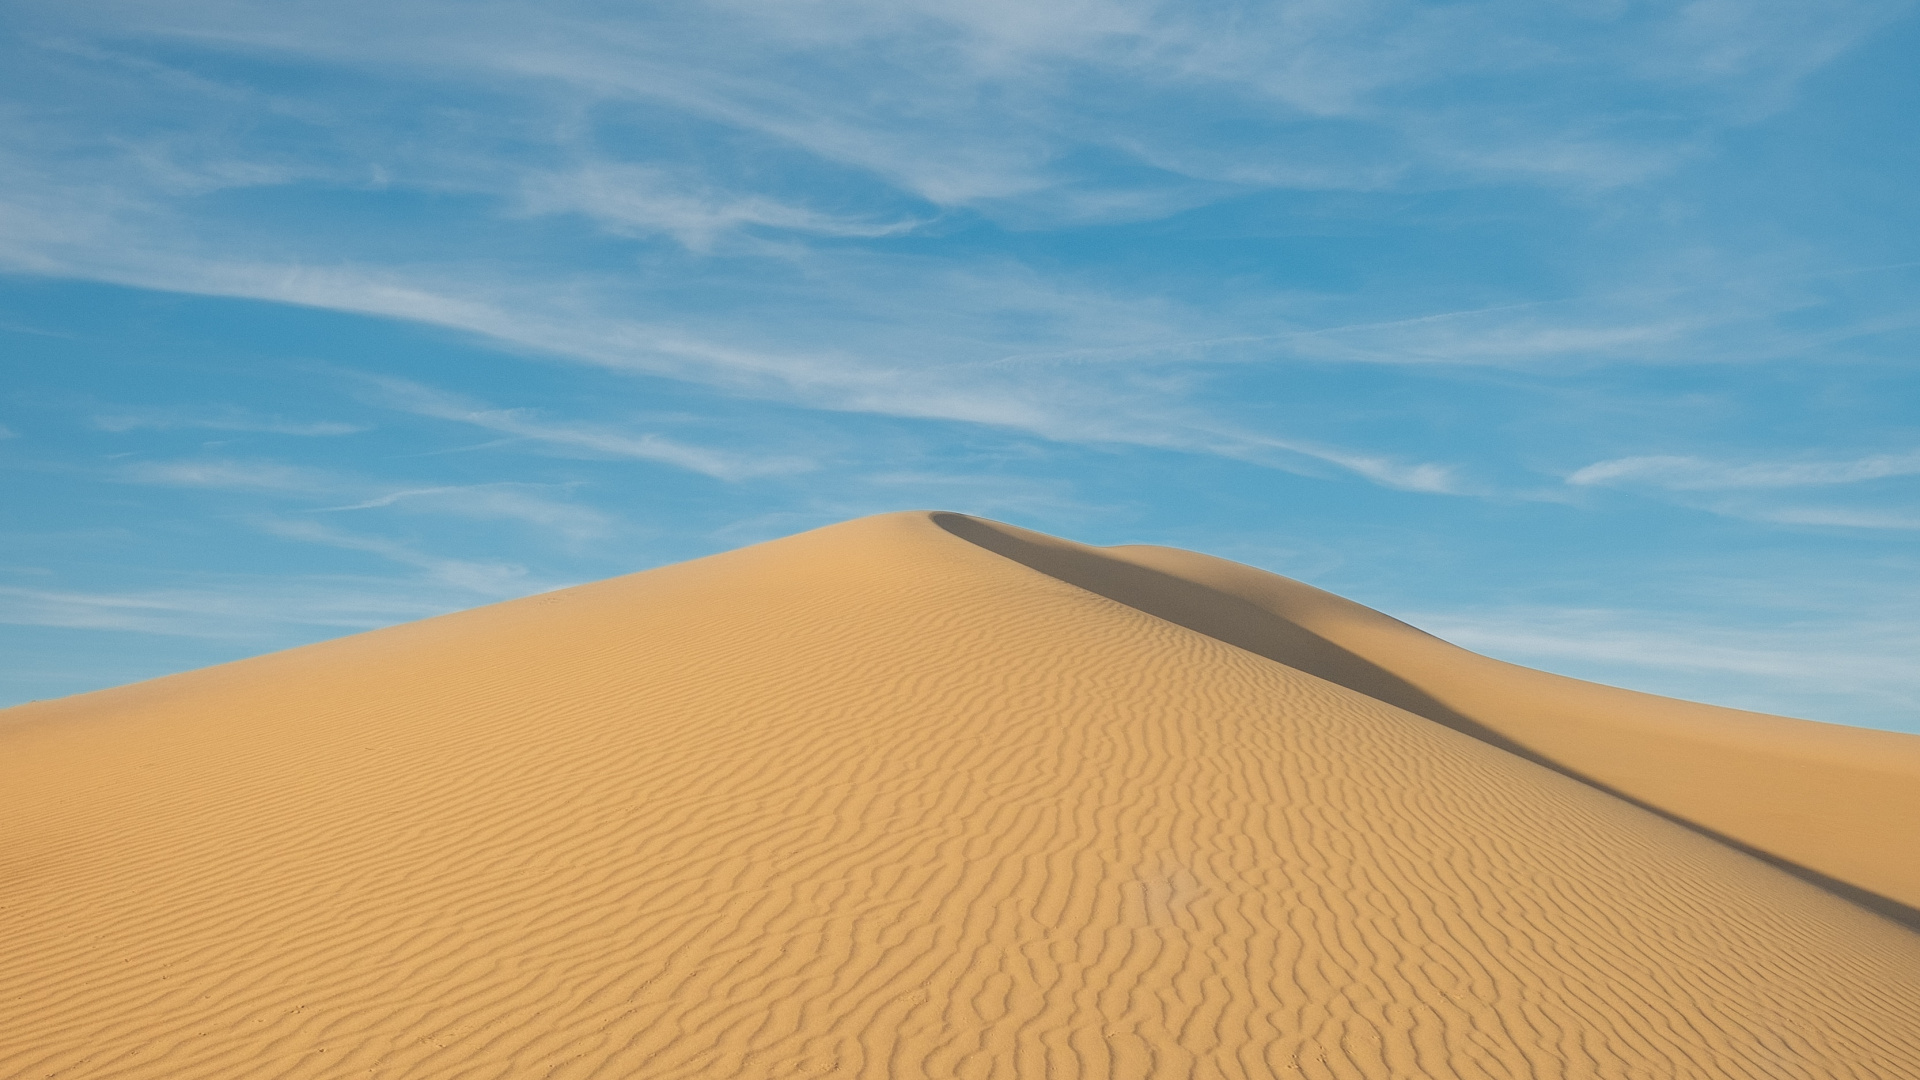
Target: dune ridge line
pixel 1836 806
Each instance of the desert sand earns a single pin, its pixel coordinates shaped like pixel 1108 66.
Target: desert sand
pixel 922 795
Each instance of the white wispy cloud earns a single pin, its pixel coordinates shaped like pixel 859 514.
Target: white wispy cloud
pixel 507 501
pixel 995 108
pixel 235 475
pixel 1686 473
pixel 599 439
pixel 972 103
pixel 640 199
pixel 1427 477
pixel 232 418
pixel 1307 458
pixel 1059 409
pixel 961 308
pixel 246 610
pixel 974 493
pixel 1823 667
pixel 1637 639
pixel 504 501
pixel 1706 307
pixel 963 102
pixel 1840 517
pixel 1710 314
pixel 497 579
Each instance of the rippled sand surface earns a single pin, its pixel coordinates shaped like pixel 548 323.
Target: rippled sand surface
pixel 923 796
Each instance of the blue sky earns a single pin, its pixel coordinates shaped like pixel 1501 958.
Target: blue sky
pixel 1583 334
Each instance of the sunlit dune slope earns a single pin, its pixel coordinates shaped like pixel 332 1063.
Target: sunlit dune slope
pixel 877 801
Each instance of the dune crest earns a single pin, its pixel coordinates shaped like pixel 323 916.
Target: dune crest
pixel 879 801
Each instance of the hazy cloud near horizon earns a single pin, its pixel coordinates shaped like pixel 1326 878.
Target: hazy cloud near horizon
pixel 1459 307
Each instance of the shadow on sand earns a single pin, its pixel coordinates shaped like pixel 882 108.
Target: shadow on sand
pixel 1228 618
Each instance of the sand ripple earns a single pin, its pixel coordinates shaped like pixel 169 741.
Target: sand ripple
pixel 872 802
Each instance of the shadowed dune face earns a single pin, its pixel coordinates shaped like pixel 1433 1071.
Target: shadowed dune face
pixel 1218 614
pixel 873 801
pixel 1262 614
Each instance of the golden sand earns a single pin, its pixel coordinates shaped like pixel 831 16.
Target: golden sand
pixel 923 796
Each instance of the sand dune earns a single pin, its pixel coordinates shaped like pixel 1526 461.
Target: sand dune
pixel 922 796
